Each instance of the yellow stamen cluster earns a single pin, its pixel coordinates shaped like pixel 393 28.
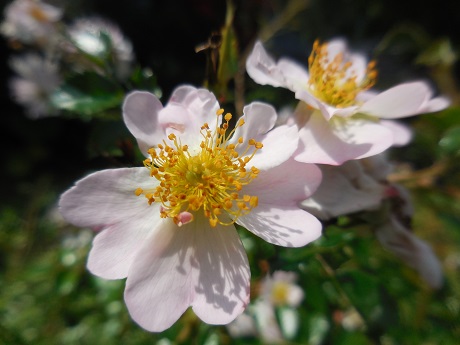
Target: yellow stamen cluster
pixel 333 81
pixel 210 178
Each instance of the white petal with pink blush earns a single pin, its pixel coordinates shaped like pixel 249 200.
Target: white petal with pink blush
pixel 169 226
pixel 339 84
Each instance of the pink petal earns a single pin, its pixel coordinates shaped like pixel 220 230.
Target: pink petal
pixel 194 265
pixel 262 68
pixel 140 112
pixel 106 197
pixel 339 140
pixel 400 101
pixel 278 144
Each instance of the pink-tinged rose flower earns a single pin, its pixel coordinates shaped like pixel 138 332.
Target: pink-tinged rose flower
pixel 30 21
pixel 363 186
pixel 339 113
pixel 169 226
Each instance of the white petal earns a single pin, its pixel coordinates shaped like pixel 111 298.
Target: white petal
pixel 106 197
pixel 327 110
pixel 222 286
pixel 343 139
pixel 262 68
pixel 140 113
pixel 435 104
pixel 194 265
pixel 187 110
pixel 295 75
pixel 289 183
pixel 278 144
pixel 400 101
pixel 286 226
pixel 115 247
pixel 402 134
pixel 345 189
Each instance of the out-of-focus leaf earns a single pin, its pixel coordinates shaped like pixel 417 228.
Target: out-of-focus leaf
pixel 145 79
pixel 87 94
pixel 318 327
pixel 450 142
pixel 363 291
pixel 228 53
pixel 439 52
pixel 355 338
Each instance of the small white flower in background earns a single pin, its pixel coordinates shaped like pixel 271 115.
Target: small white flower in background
pixel 339 114
pixel 281 289
pixel 37 78
pixel 169 226
pixel 279 294
pixel 364 186
pixel 30 21
pixel 87 35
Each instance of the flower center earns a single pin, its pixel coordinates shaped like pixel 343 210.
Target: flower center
pixel 334 82
pixel 210 179
pixel 280 293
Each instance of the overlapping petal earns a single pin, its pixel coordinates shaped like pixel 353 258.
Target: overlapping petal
pixel 345 189
pixel 278 144
pixel 403 100
pixel 340 140
pixel 277 219
pixel 187 110
pixel 106 197
pixel 194 265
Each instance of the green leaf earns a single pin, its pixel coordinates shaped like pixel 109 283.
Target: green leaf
pixel 228 55
pixel 450 141
pixel 87 94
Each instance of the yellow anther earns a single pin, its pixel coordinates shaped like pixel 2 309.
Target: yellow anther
pixel 334 81
pixel 213 222
pixel 208 180
pixel 138 191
